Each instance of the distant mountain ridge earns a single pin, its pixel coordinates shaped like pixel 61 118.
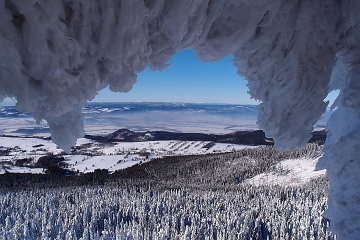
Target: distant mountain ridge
pixel 253 138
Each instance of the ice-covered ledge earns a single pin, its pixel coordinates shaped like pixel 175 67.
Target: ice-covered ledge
pixel 56 55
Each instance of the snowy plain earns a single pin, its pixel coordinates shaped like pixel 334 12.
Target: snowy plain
pixel 105 118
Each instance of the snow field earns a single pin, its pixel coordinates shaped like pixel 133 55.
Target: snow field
pixel 127 154
pixel 103 156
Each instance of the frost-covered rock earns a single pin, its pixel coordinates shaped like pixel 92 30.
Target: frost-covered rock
pixel 56 55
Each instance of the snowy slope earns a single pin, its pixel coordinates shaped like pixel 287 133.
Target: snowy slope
pixel 291 172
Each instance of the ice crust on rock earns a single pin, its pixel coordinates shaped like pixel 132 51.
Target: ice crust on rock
pixel 56 55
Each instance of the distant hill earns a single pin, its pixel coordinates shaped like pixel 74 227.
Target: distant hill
pixel 253 138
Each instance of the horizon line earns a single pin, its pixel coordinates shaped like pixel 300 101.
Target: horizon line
pixel 215 103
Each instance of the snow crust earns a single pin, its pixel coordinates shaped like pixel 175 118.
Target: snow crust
pixel 56 55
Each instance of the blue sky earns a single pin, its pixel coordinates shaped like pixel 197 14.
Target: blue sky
pixel 186 79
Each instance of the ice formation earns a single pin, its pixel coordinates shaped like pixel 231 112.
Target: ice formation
pixel 55 55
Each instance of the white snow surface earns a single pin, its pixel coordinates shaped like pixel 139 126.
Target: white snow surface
pixel 26 144
pixel 291 172
pixel 55 55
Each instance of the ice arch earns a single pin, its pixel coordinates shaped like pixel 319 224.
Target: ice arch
pixel 55 55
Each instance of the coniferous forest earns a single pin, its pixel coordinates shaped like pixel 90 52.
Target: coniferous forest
pixel 189 197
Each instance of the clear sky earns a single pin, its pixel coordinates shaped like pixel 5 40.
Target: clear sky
pixel 186 79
